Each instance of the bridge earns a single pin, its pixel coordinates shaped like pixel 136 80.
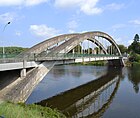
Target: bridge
pixel 62 49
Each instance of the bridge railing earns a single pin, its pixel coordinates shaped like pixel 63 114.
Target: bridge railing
pixel 60 56
pixel 13 58
pixel 54 56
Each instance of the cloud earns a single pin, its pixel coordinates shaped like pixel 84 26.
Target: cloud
pixel 72 25
pixel 21 2
pixel 6 17
pixel 43 31
pixel 89 7
pixel 86 6
pixel 17 33
pixel 34 2
pixel 115 6
pixel 118 26
pixel 123 40
pixel 71 31
pixel 135 22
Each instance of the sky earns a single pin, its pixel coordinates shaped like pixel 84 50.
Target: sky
pixel 33 21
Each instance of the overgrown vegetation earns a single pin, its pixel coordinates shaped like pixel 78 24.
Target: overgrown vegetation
pixel 92 63
pixel 134 50
pixel 11 51
pixel 10 110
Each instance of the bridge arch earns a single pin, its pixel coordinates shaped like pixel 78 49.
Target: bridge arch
pixel 71 40
pixel 74 41
pixel 38 48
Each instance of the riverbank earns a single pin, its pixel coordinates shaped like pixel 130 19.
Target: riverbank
pixel 11 110
pixel 92 63
pixel 130 64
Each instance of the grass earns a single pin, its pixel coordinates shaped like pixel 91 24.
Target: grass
pixel 92 63
pixel 136 63
pixel 11 110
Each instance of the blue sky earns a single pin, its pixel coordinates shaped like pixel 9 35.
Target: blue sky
pixel 33 21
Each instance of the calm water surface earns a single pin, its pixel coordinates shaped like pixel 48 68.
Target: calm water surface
pixel 90 91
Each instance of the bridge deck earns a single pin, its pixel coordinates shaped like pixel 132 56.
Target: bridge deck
pixel 12 63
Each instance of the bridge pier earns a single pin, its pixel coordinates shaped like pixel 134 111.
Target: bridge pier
pixel 116 62
pixel 23 71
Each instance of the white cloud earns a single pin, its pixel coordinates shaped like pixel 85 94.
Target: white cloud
pixel 115 6
pixel 72 24
pixel 86 6
pixel 89 7
pixel 6 17
pixel 67 3
pixel 10 2
pixel 17 33
pixel 135 22
pixel 118 26
pixel 43 31
pixel 123 40
pixel 21 2
pixel 34 2
pixel 71 31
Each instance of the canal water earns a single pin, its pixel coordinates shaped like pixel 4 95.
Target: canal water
pixel 90 91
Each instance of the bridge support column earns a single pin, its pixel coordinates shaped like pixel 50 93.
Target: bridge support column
pixel 23 71
pixel 116 62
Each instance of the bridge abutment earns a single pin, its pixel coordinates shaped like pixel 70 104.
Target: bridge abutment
pixel 116 62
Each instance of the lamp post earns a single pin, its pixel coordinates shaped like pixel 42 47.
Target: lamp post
pixel 3 50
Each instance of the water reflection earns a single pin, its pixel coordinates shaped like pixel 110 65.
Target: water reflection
pixel 91 99
pixel 63 78
pixel 134 77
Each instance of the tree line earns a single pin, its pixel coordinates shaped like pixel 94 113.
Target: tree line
pixel 12 50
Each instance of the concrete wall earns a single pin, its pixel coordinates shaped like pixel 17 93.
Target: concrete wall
pixel 20 91
pixel 18 65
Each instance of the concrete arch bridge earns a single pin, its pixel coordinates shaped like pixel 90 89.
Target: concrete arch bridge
pixel 62 49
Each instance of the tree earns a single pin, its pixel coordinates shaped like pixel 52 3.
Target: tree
pixel 135 46
pixel 12 50
pixel 136 38
pixel 122 48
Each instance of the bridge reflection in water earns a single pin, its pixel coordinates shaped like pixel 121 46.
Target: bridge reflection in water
pixel 88 100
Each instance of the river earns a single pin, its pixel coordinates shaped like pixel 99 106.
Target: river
pixel 90 91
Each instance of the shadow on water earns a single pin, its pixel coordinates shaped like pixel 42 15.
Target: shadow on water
pixel 92 98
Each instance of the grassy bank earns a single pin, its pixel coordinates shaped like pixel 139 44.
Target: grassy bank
pixel 10 110
pixel 135 63
pixel 93 63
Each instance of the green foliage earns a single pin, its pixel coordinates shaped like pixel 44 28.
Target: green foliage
pixel 134 57
pixel 122 48
pixel 135 46
pixel 136 38
pixel 10 110
pixel 92 63
pixel 12 50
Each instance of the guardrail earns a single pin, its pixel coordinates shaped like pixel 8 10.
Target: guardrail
pixel 56 56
